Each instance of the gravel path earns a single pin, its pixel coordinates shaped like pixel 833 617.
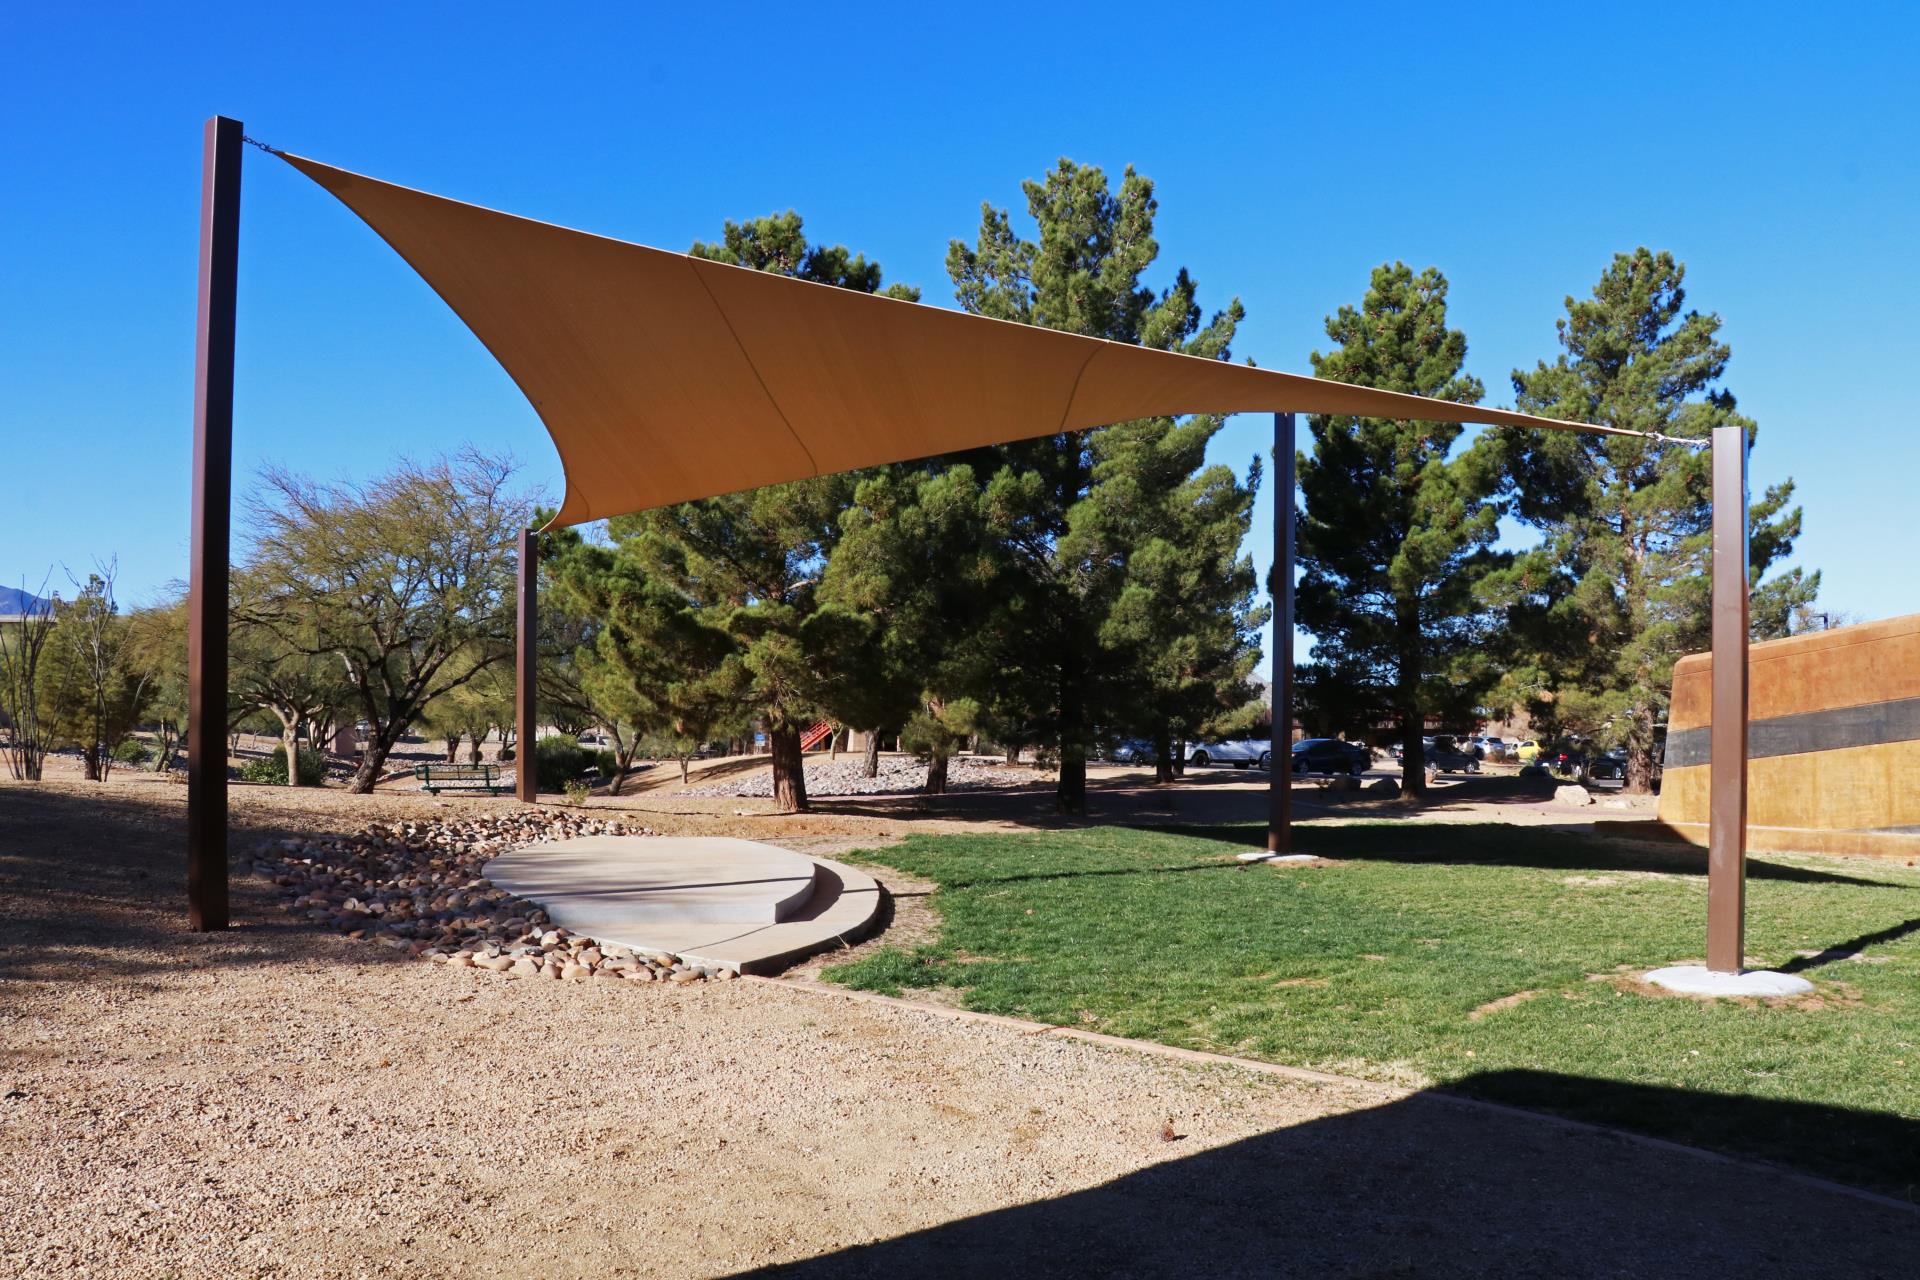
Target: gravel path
pixel 283 1101
pixel 897 774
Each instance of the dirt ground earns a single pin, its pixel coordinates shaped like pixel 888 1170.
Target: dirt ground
pixel 279 1101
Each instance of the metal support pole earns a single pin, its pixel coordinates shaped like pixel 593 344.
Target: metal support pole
pixel 1727 770
pixel 1280 761
pixel 526 667
pixel 212 525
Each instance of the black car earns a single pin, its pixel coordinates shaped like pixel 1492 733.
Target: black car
pixel 1330 755
pixel 1611 767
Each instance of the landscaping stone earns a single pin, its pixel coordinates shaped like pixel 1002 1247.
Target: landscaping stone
pixel 417 886
pixel 897 774
pixel 1572 794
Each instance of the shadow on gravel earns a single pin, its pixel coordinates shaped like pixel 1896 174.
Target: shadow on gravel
pixel 94 886
pixel 1494 844
pixel 1429 1187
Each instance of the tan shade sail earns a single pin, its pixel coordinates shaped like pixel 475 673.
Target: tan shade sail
pixel 663 378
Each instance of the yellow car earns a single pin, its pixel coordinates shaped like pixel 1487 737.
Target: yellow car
pixel 1527 752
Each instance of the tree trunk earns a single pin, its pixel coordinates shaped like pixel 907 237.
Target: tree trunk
pixel 1413 757
pixel 1013 753
pixel 622 761
pixel 1413 719
pixel 683 769
pixel 937 772
pixel 373 758
pixel 1070 797
pixel 1639 753
pixel 453 747
pixel 789 770
pixel 1180 758
pixel 290 742
pixel 1162 756
pixel 873 754
pixel 91 755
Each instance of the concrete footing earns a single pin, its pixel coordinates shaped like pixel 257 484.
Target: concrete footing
pixel 1261 855
pixel 1698 980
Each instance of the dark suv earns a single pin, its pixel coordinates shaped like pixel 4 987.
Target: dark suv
pixel 1330 755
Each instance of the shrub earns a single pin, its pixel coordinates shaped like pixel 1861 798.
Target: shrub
pixel 273 768
pixel 132 751
pixel 606 762
pixel 559 760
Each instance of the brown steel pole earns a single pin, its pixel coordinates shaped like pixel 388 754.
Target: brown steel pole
pixel 212 524
pixel 526 660
pixel 1727 770
pixel 1280 761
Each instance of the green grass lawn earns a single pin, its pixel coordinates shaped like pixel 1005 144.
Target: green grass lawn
pixel 1489 959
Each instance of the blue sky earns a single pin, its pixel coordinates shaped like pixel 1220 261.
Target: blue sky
pixel 1771 147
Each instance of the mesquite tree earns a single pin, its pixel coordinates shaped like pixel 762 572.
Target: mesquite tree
pixel 407 580
pixel 23 646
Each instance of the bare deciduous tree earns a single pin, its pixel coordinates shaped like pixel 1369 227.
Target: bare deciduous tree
pixel 395 578
pixel 23 640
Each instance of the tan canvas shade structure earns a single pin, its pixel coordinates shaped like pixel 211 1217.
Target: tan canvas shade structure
pixel 664 378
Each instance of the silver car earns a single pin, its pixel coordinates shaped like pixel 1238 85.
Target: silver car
pixel 1241 753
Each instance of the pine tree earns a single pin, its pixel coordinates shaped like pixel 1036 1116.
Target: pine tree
pixel 912 590
pixel 1398 528
pixel 1620 589
pixel 1083 275
pixel 1182 627
pixel 751 562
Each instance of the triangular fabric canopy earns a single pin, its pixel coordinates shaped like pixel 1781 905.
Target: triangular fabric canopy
pixel 663 378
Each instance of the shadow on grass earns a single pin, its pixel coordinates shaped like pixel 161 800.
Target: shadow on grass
pixel 1430 1186
pixel 1495 844
pixel 1852 947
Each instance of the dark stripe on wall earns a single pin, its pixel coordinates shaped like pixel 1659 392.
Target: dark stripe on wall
pixel 1830 729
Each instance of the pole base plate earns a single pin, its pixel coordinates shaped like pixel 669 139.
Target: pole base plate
pixel 1698 980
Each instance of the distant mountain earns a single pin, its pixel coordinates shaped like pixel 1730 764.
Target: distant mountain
pixel 14 602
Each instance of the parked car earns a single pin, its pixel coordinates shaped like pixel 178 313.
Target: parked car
pixel 1527 751
pixel 1399 749
pixel 1568 759
pixel 1133 751
pixel 1447 756
pixel 1241 753
pixel 1609 767
pixel 1330 756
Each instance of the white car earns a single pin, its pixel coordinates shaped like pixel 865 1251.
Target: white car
pixel 1241 753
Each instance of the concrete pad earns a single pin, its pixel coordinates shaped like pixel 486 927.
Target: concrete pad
pixel 668 880
pixel 618 889
pixel 1698 980
pixel 1261 855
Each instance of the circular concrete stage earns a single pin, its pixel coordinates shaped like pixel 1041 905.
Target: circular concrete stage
pixel 734 904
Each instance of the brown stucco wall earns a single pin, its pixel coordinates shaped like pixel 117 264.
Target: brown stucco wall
pixel 1834 728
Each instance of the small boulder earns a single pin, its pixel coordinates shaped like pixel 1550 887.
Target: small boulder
pixel 1384 787
pixel 1572 794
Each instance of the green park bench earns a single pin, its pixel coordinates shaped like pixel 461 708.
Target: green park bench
pixel 458 777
